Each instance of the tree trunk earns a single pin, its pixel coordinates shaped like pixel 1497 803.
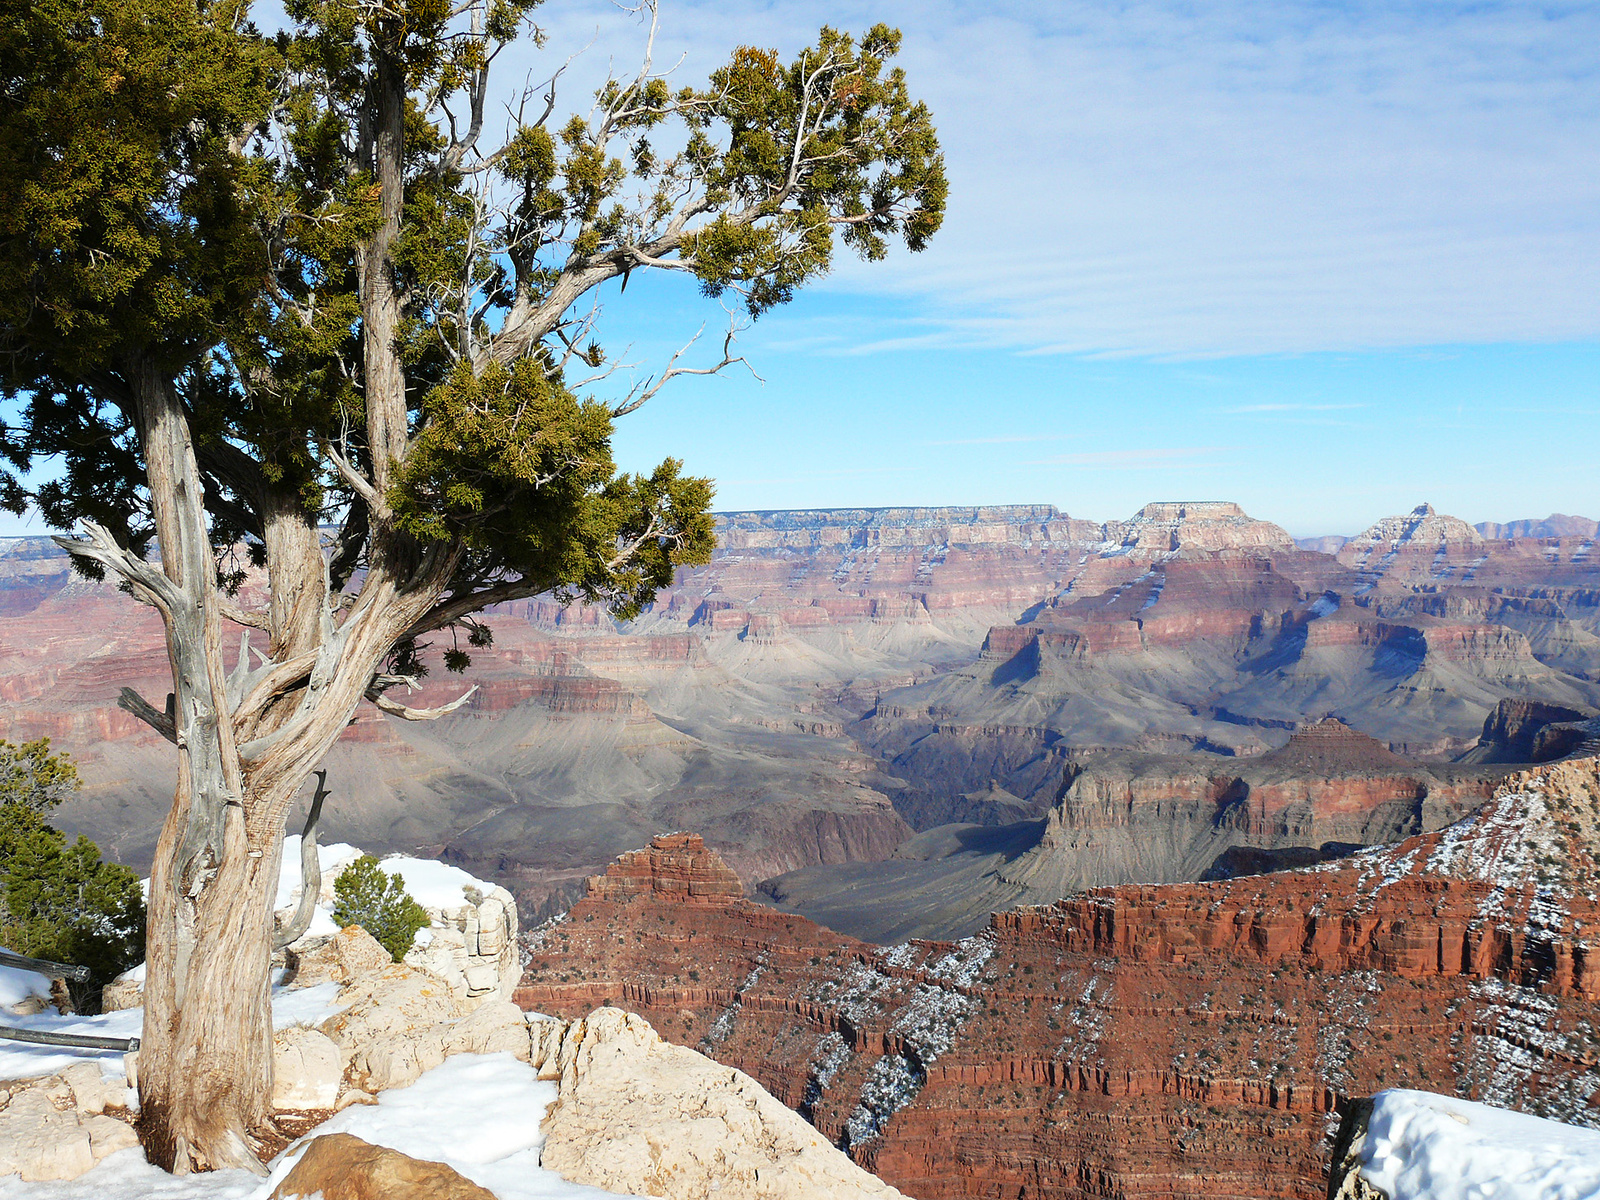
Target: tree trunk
pixel 205 1061
pixel 248 740
pixel 205 1077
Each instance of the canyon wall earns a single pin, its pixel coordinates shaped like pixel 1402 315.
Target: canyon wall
pixel 837 680
pixel 1191 1040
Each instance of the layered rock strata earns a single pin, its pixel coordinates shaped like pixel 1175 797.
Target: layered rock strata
pixel 1192 1040
pixel 1146 818
pixel 986 648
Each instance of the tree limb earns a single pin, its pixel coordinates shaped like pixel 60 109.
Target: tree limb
pixel 310 871
pixel 407 713
pixel 244 616
pixel 641 398
pixel 130 701
pixel 148 584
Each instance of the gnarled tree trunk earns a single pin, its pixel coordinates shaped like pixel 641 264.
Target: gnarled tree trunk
pixel 246 740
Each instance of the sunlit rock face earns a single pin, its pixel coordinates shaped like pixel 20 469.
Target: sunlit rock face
pixel 1189 1040
pixel 837 680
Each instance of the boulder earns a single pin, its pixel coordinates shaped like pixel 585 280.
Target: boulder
pixel 314 960
pixel 125 991
pixel 340 1166
pixel 45 1136
pixel 307 1069
pixel 359 953
pixel 638 1114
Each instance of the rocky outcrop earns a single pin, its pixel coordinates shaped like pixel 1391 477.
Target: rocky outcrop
pixel 1420 536
pixel 397 1021
pixel 1165 528
pixel 1528 731
pixel 59 1127
pixel 1147 818
pixel 1148 1041
pixel 340 1166
pixel 638 1114
pixel 675 865
pixel 1556 525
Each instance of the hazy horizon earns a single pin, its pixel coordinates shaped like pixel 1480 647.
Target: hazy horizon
pixel 1327 261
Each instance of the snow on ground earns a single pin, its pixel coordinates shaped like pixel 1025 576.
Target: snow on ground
pixel 433 884
pixel 1428 1147
pixel 480 1113
pixel 22 1060
pixel 430 883
pixel 18 986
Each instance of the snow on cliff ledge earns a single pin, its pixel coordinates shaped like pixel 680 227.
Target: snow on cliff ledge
pixel 471 941
pixel 1421 1146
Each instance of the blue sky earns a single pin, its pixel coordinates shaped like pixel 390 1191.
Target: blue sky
pixel 1328 260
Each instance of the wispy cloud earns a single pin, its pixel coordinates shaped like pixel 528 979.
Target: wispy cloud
pixel 1132 460
pixel 1162 179
pixel 998 441
pixel 1159 178
pixel 1290 408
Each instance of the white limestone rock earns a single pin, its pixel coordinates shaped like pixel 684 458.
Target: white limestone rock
pixel 307 1069
pixel 638 1114
pixel 44 1135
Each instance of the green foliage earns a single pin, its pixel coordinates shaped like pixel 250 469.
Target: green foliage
pixel 183 190
pixel 368 896
pixel 58 900
pixel 550 506
pixel 122 224
pixel 32 776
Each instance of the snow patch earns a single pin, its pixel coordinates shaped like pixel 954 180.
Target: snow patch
pixel 22 1060
pixel 1429 1147
pixel 18 986
pixel 478 1113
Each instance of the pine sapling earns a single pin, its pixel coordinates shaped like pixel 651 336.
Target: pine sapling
pixel 368 896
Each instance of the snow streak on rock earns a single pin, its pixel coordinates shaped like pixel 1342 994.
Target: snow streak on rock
pixel 933 1009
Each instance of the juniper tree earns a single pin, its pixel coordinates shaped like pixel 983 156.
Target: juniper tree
pixel 368 896
pixel 280 303
pixel 58 899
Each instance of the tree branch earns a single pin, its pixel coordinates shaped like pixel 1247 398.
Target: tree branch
pixel 130 701
pixel 407 713
pixel 638 401
pixel 310 871
pixel 149 584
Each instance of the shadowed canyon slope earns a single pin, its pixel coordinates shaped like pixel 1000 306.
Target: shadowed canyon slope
pixel 1128 816
pixel 835 681
pixel 1190 1040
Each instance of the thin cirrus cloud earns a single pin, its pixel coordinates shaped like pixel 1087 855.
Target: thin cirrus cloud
pixel 1289 407
pixel 1136 460
pixel 998 441
pixel 1163 179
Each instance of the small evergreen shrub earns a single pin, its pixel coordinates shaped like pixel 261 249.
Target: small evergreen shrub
pixel 367 895
pixel 58 899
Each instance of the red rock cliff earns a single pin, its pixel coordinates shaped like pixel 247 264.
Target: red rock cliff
pixel 1188 1040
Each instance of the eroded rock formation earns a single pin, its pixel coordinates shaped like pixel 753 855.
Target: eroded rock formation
pixel 835 680
pixel 1187 1040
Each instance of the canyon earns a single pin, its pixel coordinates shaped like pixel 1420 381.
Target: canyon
pixel 836 685
pixel 1180 1040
